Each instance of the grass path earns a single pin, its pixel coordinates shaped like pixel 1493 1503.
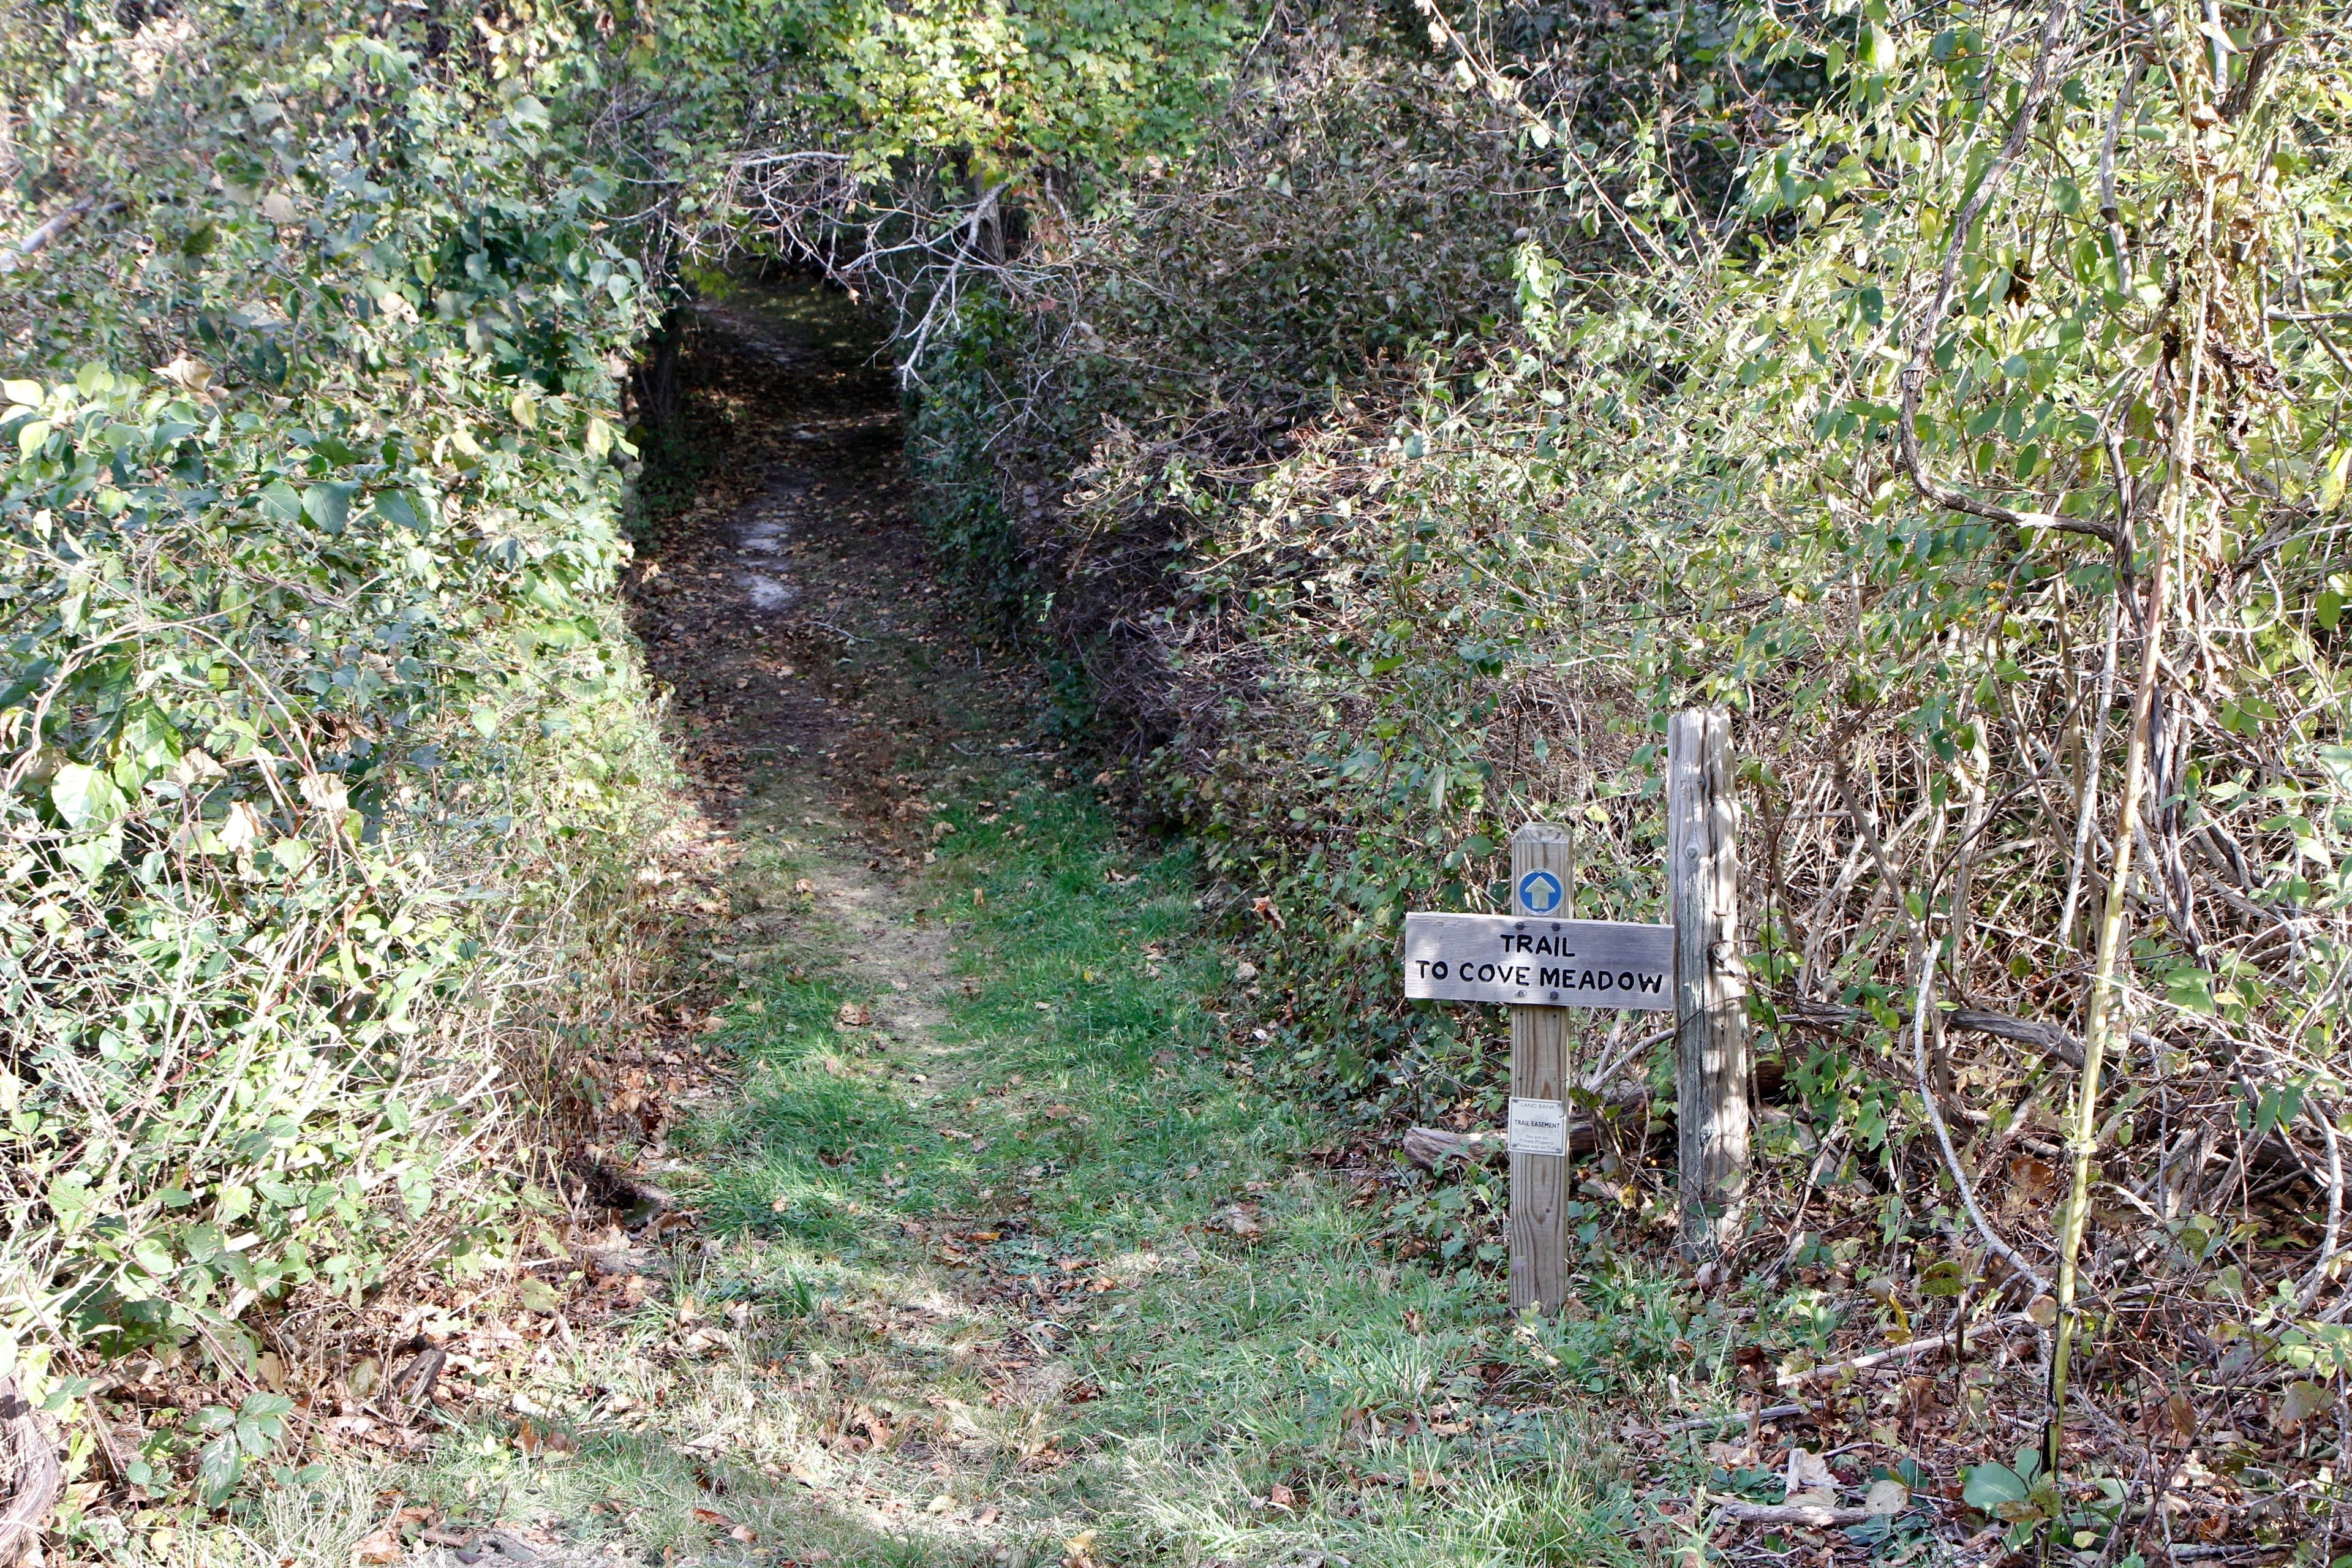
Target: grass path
pixel 1013 1265
pixel 993 1252
pixel 1080 1292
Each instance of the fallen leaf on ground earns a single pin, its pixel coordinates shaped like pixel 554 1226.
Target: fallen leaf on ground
pixel 1809 1480
pixel 1888 1495
pixel 377 1546
pixel 2299 1404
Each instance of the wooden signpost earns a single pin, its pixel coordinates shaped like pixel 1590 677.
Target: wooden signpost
pixel 1542 871
pixel 1539 962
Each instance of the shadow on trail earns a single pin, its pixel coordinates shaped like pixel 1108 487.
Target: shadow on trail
pixel 785 595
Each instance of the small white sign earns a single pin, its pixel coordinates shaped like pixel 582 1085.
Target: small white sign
pixel 1532 962
pixel 1539 1127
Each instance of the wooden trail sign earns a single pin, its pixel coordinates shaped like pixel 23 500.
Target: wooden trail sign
pixel 1524 961
pixel 1540 963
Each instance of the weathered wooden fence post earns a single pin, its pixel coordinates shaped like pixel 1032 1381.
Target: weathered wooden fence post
pixel 1711 1065
pixel 1542 883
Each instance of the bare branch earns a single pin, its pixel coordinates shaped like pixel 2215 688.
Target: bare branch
pixel 1922 332
pixel 41 238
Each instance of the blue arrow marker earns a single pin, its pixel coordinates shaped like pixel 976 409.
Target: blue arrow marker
pixel 1539 892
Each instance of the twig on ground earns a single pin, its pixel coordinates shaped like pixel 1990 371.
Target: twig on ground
pixel 1732 1418
pixel 1816 1515
pixel 1898 1352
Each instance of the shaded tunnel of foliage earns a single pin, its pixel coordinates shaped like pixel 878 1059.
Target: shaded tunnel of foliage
pixel 326 767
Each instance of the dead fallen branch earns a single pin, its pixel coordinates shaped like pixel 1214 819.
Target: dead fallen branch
pixel 1433 1146
pixel 1732 1418
pixel 1903 1352
pixel 1815 1515
pixel 41 238
pixel 30 1473
pixel 2048 1038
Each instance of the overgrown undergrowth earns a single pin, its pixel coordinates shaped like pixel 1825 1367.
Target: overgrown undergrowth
pixel 325 766
pixel 1922 389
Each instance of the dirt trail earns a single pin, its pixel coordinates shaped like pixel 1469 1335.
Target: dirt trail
pixel 793 607
pixel 821 674
pixel 824 687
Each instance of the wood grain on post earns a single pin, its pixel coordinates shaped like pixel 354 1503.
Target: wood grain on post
pixel 1539 1071
pixel 1711 1070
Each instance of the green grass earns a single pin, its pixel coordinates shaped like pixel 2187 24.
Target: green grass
pixel 1063 1009
pixel 1258 1380
pixel 1111 1120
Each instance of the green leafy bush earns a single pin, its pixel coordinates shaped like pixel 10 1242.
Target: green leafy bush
pixel 1003 88
pixel 321 750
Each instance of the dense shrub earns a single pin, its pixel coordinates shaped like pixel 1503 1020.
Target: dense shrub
pixel 323 752
pixel 1964 412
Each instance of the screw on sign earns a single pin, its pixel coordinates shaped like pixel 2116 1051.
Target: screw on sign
pixel 1539 962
